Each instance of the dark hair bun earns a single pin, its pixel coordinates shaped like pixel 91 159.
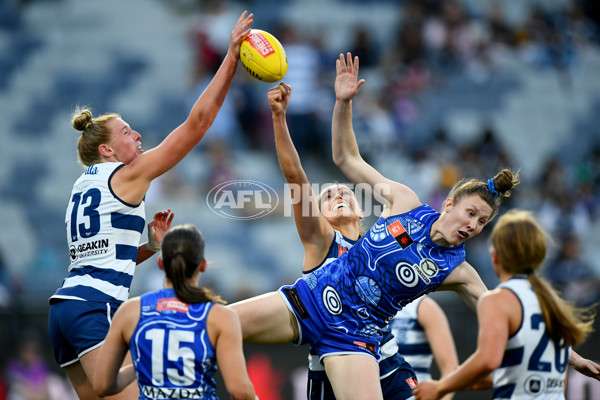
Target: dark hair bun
pixel 505 180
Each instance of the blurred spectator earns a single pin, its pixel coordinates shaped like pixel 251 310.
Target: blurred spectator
pixel 221 168
pixel 571 275
pixel 565 214
pixel 29 377
pixel 303 75
pixel 588 179
pixel 365 46
pixel 5 285
pixel 410 47
pixel 581 29
pixel 226 126
pixel 216 18
pixel 500 30
pixel 544 43
pixel 561 211
pixel 208 35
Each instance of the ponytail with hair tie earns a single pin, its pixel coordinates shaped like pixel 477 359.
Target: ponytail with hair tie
pixel 491 185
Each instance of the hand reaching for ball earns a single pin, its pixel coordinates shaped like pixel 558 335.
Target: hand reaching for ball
pixel 347 84
pixel 279 98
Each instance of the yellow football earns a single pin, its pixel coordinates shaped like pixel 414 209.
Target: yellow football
pixel 263 56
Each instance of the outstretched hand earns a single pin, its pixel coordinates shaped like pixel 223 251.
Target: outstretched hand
pixel 279 97
pixel 158 227
pixel 586 367
pixel 239 32
pixel 346 84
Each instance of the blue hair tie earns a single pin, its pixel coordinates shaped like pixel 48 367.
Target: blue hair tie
pixel 492 188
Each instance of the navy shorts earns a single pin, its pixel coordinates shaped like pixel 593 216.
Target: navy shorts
pixel 314 329
pixel 397 386
pixel 77 327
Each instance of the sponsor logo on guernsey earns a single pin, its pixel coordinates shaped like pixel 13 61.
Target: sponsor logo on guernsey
pixel 296 302
pixel 552 383
pixel 534 385
pixel 409 274
pixel 368 346
pixel 260 43
pixel 412 382
pixel 88 249
pixel 152 392
pixel 427 269
pixel 341 250
pixel 91 170
pixel 172 304
pixel 400 234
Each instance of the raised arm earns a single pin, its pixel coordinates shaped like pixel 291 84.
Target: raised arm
pixel 315 232
pixel 139 173
pixel 437 329
pixel 225 333
pixel 346 154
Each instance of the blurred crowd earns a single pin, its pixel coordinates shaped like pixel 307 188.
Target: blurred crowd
pixel 435 41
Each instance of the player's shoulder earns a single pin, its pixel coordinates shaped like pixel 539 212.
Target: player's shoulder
pixel 221 311
pixel 130 305
pixel 221 318
pixel 128 313
pixel 499 297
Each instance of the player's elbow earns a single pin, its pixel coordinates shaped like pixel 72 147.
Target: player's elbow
pixel 339 159
pixel 242 391
pixel 101 387
pixel 489 365
pixel 342 160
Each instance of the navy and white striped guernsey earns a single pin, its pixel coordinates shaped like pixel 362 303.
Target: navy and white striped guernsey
pixel 533 365
pixel 171 350
pixel 412 340
pixel 103 234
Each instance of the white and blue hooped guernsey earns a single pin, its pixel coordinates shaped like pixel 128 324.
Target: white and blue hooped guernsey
pixel 357 294
pixel 103 234
pixel 533 365
pixel 171 349
pixel 412 340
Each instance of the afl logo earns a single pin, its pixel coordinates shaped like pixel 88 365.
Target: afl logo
pixel 73 253
pixel 332 301
pixel 242 199
pixel 406 274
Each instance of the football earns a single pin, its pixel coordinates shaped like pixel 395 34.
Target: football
pixel 263 56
